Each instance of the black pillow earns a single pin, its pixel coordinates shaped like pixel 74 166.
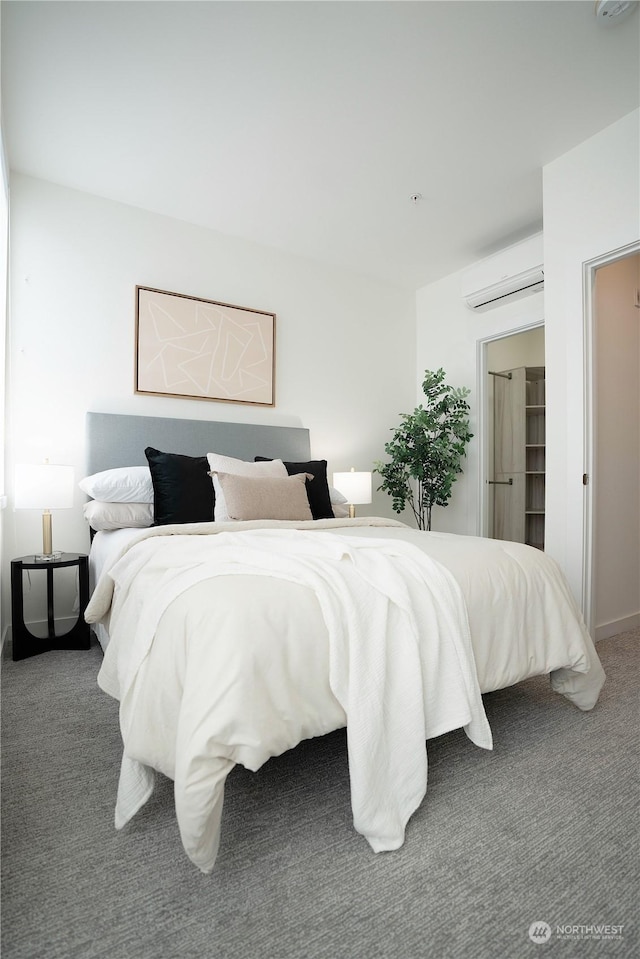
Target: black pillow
pixel 317 488
pixel 182 488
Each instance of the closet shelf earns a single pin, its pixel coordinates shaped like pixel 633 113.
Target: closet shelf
pixel 519 454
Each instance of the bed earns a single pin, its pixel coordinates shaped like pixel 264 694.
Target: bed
pixel 230 638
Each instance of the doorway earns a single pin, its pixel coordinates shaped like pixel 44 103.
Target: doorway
pixel 516 350
pixel 612 443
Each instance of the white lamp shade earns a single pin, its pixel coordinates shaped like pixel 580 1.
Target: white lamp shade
pixel 43 486
pixel 354 486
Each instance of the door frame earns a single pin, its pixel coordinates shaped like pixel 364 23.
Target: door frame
pixel 589 269
pixel 485 468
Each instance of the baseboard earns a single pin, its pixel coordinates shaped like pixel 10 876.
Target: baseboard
pixel 617 626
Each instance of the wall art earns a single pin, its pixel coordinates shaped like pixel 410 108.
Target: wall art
pixel 202 349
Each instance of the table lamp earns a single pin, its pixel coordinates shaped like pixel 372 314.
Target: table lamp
pixel 44 486
pixel 355 487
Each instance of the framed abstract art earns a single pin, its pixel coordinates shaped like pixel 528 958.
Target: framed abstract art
pixel 202 349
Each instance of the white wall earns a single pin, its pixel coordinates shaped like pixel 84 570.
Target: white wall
pixel 591 207
pixel 345 360
pixel 448 336
pixel 616 486
pixel 4 267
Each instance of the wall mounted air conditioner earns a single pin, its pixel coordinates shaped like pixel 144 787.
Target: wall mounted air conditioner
pixel 512 273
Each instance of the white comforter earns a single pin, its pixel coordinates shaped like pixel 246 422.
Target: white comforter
pixel 232 644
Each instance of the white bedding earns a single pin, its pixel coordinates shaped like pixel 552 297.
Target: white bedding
pixel 233 648
pixel 106 546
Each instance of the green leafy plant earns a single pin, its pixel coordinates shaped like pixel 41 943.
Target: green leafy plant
pixel 427 449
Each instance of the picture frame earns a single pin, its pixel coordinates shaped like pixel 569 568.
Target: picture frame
pixel 200 349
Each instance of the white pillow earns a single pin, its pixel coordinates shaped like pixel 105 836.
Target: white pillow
pixel 126 484
pixel 229 464
pixel 106 516
pixel 264 497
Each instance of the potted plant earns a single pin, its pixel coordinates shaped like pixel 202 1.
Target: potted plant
pixel 427 449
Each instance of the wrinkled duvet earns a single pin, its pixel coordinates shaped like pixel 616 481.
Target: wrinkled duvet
pixel 231 643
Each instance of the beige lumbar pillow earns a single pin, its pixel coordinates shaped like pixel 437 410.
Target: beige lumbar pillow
pixel 218 463
pixel 264 497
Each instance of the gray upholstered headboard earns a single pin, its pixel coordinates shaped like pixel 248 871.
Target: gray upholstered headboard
pixel 115 439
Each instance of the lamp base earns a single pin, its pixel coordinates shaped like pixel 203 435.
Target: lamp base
pixel 48 557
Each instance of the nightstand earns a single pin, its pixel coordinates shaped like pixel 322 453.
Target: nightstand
pixel 78 637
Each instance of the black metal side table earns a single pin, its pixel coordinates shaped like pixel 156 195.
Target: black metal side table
pixel 24 642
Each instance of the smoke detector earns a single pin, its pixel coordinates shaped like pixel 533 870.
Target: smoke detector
pixel 609 12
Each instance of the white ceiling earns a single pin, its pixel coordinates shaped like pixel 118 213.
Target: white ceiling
pixel 308 125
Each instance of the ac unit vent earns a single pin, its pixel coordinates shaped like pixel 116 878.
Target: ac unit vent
pixel 508 275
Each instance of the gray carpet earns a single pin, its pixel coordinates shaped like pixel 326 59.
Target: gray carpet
pixel 544 829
